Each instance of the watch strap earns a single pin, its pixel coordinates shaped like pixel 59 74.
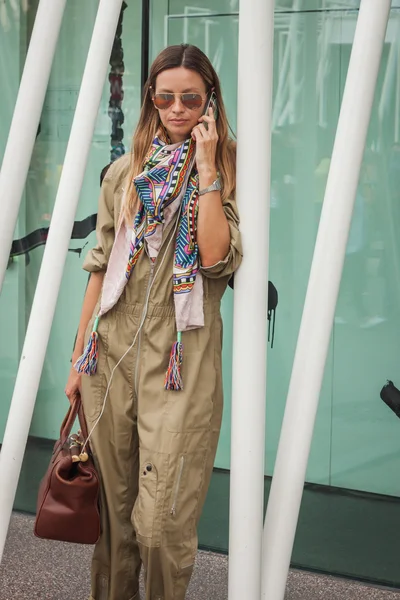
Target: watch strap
pixel 214 187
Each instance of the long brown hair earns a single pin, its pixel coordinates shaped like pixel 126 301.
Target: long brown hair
pixel 190 57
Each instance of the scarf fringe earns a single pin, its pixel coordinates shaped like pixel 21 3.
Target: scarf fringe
pixel 173 376
pixel 87 363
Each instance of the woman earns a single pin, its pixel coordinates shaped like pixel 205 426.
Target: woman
pixel 168 242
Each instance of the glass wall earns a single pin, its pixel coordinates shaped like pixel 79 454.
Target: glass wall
pixel 355 443
pixel 12 52
pixel 43 179
pixel 356 438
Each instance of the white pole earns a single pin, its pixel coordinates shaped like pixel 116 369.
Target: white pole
pixel 255 73
pixel 313 341
pixel 25 122
pixel 51 272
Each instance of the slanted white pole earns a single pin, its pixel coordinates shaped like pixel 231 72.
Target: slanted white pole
pixel 51 272
pixel 316 325
pixel 256 32
pixel 25 122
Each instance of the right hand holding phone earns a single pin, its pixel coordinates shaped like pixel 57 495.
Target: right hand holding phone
pixel 206 139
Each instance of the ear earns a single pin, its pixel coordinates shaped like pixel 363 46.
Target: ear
pixel 151 93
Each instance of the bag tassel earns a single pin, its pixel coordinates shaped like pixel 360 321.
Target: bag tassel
pixel 173 377
pixel 87 363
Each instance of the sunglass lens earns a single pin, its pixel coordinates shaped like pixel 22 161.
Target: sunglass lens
pixel 163 101
pixel 192 101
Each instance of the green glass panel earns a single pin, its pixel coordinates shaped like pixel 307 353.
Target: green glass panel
pixel 296 201
pixel 13 39
pixel 312 51
pixel 41 189
pixel 305 112
pixel 367 345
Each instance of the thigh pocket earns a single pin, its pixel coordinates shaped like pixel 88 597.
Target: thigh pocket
pixel 94 386
pixel 186 480
pixel 145 505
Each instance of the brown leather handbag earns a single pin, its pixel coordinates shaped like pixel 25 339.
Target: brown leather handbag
pixel 68 500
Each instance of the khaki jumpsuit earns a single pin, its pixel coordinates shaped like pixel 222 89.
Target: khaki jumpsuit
pixel 154 448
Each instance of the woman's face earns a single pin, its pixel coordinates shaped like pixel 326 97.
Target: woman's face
pixel 179 120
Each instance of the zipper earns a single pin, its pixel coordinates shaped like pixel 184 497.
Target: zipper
pixel 153 265
pixel 145 308
pixel 177 486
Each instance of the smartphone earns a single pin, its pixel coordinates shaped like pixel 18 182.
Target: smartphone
pixel 211 103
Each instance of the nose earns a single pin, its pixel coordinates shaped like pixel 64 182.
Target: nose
pixel 177 106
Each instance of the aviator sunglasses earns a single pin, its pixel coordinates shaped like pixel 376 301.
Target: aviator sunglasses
pixel 166 100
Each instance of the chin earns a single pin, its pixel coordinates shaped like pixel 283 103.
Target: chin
pixel 179 132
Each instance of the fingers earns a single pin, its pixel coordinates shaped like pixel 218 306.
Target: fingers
pixel 72 396
pixel 70 393
pixel 206 130
pixel 209 119
pixel 208 116
pixel 200 133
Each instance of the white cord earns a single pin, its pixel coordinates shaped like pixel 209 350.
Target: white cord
pixel 144 315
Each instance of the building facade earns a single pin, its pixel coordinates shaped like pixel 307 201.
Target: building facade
pixel 351 510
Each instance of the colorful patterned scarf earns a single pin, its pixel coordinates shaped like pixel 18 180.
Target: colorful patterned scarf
pixel 168 176
pixel 167 186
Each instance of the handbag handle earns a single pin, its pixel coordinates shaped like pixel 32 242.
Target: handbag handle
pixel 75 410
pixel 82 422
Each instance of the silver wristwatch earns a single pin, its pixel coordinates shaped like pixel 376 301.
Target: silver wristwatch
pixel 216 186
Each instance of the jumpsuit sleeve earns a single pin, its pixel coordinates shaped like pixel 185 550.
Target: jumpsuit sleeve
pixel 97 258
pixel 233 259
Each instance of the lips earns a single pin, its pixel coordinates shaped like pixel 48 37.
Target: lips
pixel 178 121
